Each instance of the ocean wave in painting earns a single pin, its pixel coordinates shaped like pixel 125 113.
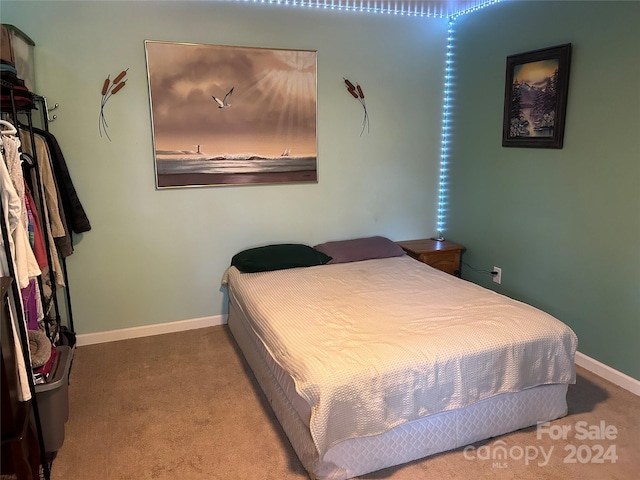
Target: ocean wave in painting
pixel 177 162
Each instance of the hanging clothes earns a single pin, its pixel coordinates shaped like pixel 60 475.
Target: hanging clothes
pixel 11 146
pixel 30 303
pixel 77 219
pixel 46 177
pixel 52 197
pixel 30 299
pixel 24 264
pixel 51 215
pixel 36 238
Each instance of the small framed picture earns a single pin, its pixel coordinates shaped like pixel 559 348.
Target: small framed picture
pixel 535 98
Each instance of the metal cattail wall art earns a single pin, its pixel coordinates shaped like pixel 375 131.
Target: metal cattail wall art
pixel 357 93
pixel 109 88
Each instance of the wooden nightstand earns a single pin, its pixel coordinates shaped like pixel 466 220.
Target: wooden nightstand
pixel 444 255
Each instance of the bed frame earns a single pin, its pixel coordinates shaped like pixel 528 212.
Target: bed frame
pixel 404 443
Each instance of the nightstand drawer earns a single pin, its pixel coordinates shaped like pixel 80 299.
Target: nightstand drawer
pixel 446 261
pixel 443 255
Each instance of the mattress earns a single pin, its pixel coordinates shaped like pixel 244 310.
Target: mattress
pixel 404 443
pixel 360 349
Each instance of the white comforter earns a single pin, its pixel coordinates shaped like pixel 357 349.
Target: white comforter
pixel 377 343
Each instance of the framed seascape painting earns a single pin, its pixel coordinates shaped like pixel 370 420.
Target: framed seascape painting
pixel 224 115
pixel 535 99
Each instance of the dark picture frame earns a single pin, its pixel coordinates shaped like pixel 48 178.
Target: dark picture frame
pixel 232 115
pixel 535 98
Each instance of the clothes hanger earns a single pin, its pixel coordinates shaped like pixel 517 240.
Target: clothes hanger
pixel 27 160
pixel 10 130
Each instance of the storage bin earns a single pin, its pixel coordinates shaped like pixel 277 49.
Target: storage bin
pixel 21 54
pixel 53 401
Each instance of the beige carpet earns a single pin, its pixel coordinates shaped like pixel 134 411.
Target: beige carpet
pixel 185 406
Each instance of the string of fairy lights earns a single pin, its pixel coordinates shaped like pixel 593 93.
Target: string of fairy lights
pixel 390 7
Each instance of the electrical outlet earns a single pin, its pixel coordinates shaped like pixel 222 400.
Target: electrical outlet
pixel 498 276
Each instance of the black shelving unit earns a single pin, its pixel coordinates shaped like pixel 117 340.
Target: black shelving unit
pixel 51 309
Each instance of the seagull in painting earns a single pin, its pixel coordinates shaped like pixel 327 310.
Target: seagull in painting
pixel 224 103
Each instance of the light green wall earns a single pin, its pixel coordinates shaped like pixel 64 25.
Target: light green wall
pixel 158 256
pixel 564 225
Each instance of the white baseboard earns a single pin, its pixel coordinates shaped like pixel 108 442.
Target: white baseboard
pixel 608 373
pixel 149 330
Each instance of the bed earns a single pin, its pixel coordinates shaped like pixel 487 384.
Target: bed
pixel 372 359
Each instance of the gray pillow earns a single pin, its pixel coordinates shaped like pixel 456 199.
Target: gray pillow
pixel 357 249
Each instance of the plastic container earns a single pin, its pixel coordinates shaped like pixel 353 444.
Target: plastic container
pixel 23 56
pixel 53 401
